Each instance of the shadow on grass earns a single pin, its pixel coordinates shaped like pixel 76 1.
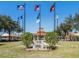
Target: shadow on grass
pixel 1 44
pixel 9 40
pixel 52 48
pixel 41 50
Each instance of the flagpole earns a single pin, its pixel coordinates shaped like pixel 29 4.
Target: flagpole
pixel 57 23
pixel 54 16
pixel 24 17
pixel 40 17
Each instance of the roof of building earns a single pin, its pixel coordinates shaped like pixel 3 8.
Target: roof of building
pixel 41 32
pixel 6 34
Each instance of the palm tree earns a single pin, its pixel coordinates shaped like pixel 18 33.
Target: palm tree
pixel 76 21
pixel 67 26
pixel 70 22
pixel 1 23
pixel 8 25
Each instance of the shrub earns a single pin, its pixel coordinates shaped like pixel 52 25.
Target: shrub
pixel 51 38
pixel 27 39
pixel 76 38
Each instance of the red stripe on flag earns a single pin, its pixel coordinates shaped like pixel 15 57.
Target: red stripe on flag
pixel 52 8
pixel 37 8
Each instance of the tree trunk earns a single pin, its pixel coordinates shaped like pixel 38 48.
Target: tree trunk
pixel 9 32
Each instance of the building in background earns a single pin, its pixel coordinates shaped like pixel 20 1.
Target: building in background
pixel 5 36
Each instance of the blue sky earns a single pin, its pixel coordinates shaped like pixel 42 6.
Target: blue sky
pixel 63 10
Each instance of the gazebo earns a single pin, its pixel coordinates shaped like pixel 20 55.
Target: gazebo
pixel 41 33
pixel 39 42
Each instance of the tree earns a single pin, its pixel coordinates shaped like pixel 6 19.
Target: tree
pixel 70 23
pixel 1 23
pixel 63 29
pixel 8 25
pixel 51 38
pixel 27 39
pixel 66 27
pixel 76 21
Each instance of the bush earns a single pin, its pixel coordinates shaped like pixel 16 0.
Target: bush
pixel 51 38
pixel 76 38
pixel 27 39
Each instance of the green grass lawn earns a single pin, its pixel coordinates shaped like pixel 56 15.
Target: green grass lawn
pixel 17 49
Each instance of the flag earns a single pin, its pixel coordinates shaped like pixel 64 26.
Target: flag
pixel 52 7
pixel 38 18
pixel 38 21
pixel 20 7
pixel 21 17
pixel 57 16
pixel 37 8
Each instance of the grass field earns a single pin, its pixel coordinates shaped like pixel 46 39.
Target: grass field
pixel 17 50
